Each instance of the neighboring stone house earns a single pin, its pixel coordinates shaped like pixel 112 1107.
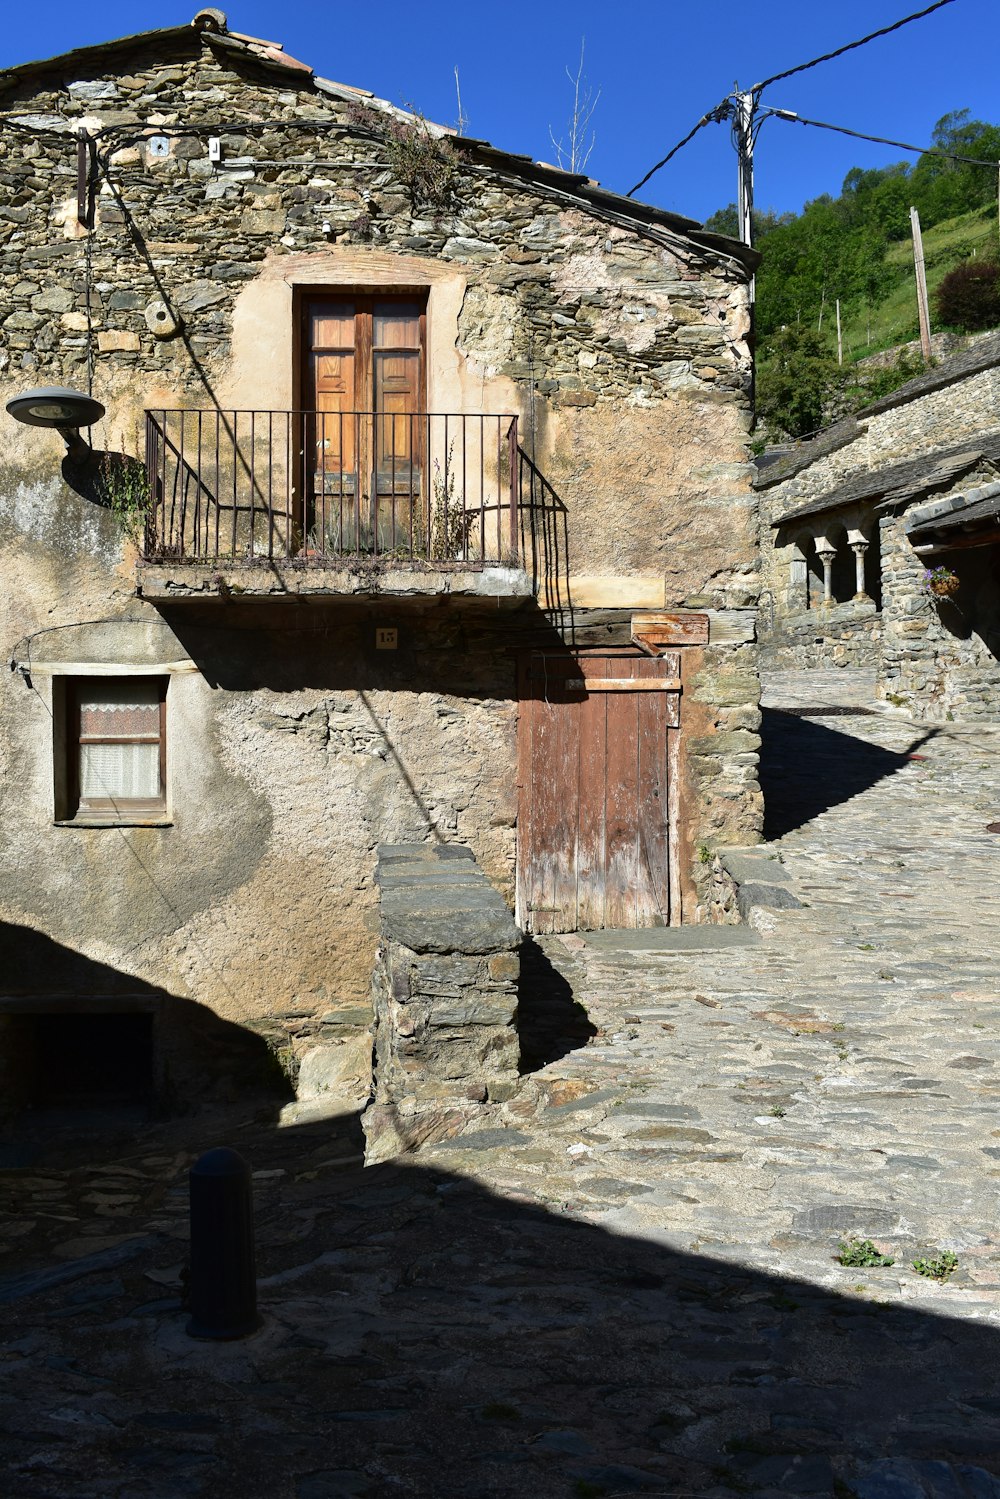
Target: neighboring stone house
pixel 853 521
pixel 450 539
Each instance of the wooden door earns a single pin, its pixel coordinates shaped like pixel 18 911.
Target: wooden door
pixel 397 376
pixel 597 752
pixel 364 392
pixel 334 440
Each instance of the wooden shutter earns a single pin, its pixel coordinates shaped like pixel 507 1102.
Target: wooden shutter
pixel 364 378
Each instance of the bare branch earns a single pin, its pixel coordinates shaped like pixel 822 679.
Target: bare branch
pixel 573 149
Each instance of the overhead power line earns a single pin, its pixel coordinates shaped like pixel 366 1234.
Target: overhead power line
pixel 714 116
pixel 850 46
pixel 881 140
pixel 743 105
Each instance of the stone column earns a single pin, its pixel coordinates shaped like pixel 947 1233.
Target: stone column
pixel 859 548
pixel 826 552
pixel 798 581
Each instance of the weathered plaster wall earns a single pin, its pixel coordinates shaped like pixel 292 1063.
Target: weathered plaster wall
pixel 294 747
pixel 292 751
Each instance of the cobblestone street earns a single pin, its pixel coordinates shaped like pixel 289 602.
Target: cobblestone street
pixel 633 1288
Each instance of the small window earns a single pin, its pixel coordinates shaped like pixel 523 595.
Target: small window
pixel 115 749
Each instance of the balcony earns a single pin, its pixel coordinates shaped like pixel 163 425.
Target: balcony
pixel 267 503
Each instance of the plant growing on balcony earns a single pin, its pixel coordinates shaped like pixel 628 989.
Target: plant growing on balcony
pixel 124 487
pixel 451 523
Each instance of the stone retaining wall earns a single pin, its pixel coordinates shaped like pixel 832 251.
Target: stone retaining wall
pixel 838 635
pixel 444 994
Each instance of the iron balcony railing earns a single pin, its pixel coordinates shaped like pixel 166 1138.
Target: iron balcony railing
pixel 313 487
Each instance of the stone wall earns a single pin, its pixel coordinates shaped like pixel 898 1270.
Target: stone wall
pixel 294 746
pixel 938 660
pixel 444 996
pixel 940 657
pixel 623 352
pixel 936 420
pixel 840 635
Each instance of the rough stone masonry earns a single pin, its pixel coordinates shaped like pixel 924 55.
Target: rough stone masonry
pixel 444 996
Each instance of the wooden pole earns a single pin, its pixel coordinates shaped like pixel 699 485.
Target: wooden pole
pixel 840 344
pixel 918 266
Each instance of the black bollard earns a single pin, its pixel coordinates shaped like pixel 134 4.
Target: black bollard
pixel 223 1271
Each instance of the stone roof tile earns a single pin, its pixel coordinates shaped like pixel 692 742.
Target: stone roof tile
pixel 981 355
pixel 896 484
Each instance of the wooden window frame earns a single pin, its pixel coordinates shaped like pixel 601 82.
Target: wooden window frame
pixel 113 812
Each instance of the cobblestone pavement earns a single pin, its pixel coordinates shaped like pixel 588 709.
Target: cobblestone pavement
pixel 633 1287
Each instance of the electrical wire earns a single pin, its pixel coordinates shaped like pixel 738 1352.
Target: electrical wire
pixel 850 46
pixel 714 116
pixel 725 109
pixel 881 140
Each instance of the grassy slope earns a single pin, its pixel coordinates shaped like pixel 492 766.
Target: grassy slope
pixel 894 320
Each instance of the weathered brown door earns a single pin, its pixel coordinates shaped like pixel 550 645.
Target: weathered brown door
pixel 363 389
pixel 597 751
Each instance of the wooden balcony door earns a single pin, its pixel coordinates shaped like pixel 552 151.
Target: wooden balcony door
pixel 597 771
pixel 364 379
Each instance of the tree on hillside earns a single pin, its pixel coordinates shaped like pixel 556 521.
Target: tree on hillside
pixel 797 378
pixel 724 221
pixel 942 188
pixel 969 296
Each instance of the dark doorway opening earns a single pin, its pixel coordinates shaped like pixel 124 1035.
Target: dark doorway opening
pixel 94 1060
pixel 88 1061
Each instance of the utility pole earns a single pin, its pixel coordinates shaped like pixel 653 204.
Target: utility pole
pixel 744 106
pixel 918 266
pixel 840 342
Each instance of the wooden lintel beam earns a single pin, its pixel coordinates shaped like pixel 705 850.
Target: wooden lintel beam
pixel 959 543
pixel 623 684
pixel 657 631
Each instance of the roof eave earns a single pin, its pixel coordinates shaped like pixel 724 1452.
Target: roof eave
pixel 83 57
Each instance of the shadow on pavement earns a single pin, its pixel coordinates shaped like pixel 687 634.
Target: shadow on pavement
pixel 426 1336
pixel 550 1020
pixel 806 768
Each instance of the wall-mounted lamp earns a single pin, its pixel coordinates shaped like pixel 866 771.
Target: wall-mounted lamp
pixel 66 410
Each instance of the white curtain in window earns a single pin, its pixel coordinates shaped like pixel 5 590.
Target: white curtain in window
pixel 119 772
pixel 124 710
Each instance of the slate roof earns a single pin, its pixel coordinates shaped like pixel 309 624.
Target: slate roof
pixel 821 446
pixel 898 483
pixel 211 27
pixel 979 356
pixel 979 510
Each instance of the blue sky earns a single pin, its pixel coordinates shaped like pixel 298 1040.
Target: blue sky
pixel 659 67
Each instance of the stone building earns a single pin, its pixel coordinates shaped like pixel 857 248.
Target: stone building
pixel 420 512
pixel 854 521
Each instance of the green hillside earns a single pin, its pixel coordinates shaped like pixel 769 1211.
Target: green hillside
pixel 857 249
pixel 894 317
